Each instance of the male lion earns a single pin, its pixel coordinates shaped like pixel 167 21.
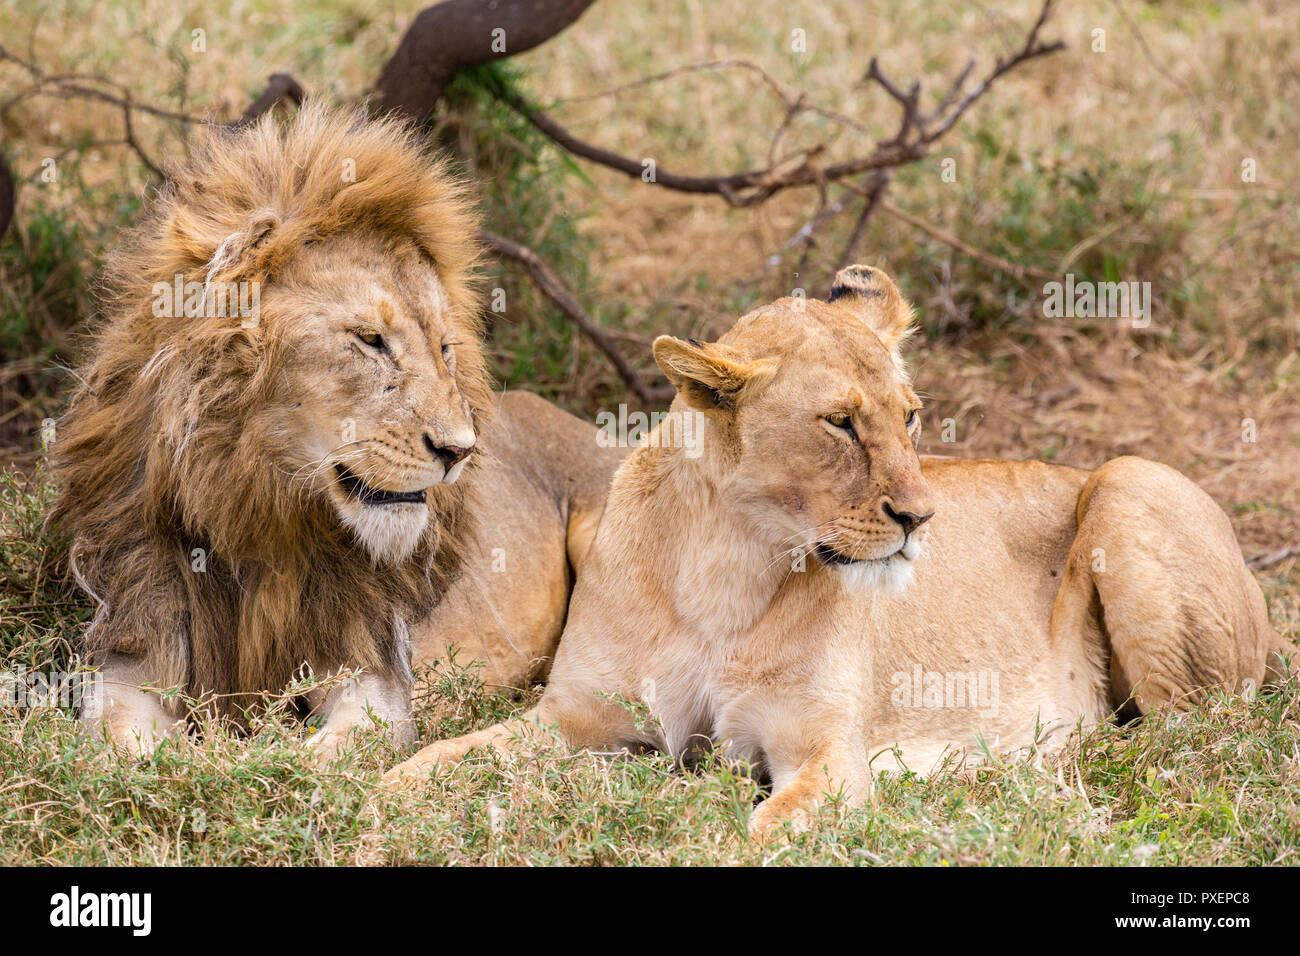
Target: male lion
pixel 259 468
pixel 795 590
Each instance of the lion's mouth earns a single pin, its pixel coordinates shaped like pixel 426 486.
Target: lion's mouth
pixel 364 493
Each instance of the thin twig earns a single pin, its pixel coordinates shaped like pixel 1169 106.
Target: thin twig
pixel 6 195
pixel 1020 272
pixel 550 285
pixel 129 137
pixel 1262 562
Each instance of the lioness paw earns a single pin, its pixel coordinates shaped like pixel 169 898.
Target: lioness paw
pixel 408 774
pixel 767 823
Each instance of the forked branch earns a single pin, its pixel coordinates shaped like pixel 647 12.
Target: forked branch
pixel 917 133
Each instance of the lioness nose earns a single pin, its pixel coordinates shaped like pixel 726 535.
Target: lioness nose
pixel 909 521
pixel 447 454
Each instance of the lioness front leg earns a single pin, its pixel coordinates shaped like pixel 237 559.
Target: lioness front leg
pixel 527 726
pixel 832 768
pixel 121 705
pixel 571 719
pixel 358 702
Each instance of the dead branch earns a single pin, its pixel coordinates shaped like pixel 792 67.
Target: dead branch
pixel 738 189
pixel 550 285
pixel 94 87
pixel 450 36
pixel 279 87
pixel 6 196
pixel 80 86
pixel 1262 562
pixel 917 134
pixel 128 136
pixel 875 194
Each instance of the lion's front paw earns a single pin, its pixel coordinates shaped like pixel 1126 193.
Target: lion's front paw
pixel 326 744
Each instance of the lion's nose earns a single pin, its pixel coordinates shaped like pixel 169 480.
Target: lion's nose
pixel 447 454
pixel 907 519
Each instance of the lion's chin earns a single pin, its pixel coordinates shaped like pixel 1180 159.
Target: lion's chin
pixel 389 533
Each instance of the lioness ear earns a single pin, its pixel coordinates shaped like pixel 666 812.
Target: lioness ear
pixel 872 296
pixel 704 375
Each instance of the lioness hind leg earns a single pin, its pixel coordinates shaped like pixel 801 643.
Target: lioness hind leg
pixel 1180 609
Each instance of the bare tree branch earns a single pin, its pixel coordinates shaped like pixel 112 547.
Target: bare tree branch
pixel 1031 50
pixel 875 193
pixel 6 196
pixel 89 86
pixel 450 36
pixel 279 86
pixel 916 134
pixel 80 86
pixel 1262 562
pixel 555 290
pixel 128 136
pixel 739 189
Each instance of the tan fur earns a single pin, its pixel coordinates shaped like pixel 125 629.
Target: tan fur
pixel 215 439
pixel 707 599
pixel 540 489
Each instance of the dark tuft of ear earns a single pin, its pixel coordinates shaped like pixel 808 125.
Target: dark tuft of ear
pixel 707 375
pixel 872 296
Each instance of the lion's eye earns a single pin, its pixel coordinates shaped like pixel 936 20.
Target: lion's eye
pixel 843 422
pixel 372 339
pixel 911 419
pixel 446 352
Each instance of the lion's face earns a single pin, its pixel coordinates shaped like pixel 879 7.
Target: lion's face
pixel 821 425
pixel 367 406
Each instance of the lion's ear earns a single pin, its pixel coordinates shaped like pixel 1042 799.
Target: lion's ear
pixel 705 375
pixel 872 296
pixel 235 250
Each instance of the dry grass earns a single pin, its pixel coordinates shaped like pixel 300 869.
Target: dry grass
pixel 1117 165
pixel 1218 786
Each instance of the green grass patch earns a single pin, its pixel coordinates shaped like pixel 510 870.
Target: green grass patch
pixel 1218 786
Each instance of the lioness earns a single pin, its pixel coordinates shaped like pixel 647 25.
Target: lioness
pixel 259 470
pixel 793 590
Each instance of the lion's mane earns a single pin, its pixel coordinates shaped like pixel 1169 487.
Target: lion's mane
pixel 161 451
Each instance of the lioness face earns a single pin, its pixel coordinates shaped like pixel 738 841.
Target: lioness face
pixel 369 411
pixel 821 426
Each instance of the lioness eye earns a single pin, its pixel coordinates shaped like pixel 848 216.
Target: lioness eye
pixel 373 339
pixel 446 352
pixel 911 419
pixel 842 421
